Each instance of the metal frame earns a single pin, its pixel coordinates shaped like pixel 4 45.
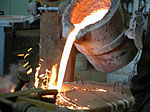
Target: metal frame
pixel 2 49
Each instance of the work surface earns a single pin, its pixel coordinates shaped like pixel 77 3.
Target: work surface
pixel 90 97
pixel 98 97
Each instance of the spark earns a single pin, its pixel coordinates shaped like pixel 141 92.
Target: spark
pixel 26 55
pixel 29 71
pixel 20 55
pixel 25 64
pixel 29 49
pixel 41 60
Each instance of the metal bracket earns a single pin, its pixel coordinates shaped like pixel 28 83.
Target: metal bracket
pixel 114 86
pixel 136 27
pixel 78 77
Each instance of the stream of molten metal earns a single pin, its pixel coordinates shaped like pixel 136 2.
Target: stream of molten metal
pixel 90 19
pixel 49 78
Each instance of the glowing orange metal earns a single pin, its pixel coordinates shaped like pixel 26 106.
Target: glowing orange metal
pixel 91 17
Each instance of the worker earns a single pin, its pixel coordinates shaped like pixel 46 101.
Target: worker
pixel 140 86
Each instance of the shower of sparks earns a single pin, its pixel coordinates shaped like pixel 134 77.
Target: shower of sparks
pixel 49 78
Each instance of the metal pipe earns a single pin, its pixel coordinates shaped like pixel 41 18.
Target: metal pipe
pixel 48 92
pixel 48 8
pixel 9 106
pixel 52 92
